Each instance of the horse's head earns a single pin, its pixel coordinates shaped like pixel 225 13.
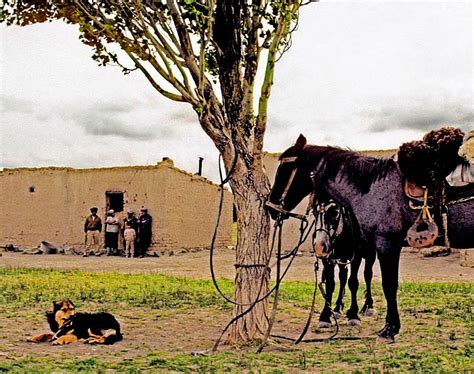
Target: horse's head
pixel 292 181
pixel 329 225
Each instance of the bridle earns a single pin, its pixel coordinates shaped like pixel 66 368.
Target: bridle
pixel 321 225
pixel 305 229
pixel 280 208
pixel 343 218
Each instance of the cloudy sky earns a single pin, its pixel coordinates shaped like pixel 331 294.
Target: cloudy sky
pixel 364 75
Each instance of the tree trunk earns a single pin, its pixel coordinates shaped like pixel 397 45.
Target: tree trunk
pixel 250 187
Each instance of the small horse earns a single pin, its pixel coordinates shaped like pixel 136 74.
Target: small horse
pixel 336 242
pixel 372 188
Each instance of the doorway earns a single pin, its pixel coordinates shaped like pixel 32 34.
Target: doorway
pixel 114 200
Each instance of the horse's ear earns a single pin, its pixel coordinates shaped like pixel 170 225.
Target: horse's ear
pixel 300 142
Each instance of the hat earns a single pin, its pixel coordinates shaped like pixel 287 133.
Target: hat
pixel 111 211
pixel 94 209
pixel 143 209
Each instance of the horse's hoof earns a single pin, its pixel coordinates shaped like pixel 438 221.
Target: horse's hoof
pixel 387 334
pixel 370 312
pixel 324 325
pixel 385 339
pixel 353 322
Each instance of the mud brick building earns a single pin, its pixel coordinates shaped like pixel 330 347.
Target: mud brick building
pixel 52 203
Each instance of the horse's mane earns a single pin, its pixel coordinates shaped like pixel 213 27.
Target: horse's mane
pixel 359 170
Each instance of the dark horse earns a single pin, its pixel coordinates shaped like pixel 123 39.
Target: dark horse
pixel 372 188
pixel 335 242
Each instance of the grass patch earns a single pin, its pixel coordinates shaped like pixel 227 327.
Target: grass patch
pixel 26 286
pixel 436 336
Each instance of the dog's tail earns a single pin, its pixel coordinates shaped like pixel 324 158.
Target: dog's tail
pixel 113 338
pixel 113 335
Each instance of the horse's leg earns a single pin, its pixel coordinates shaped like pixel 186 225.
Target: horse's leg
pixel 343 271
pixel 328 276
pixel 368 308
pixel 352 313
pixel 389 256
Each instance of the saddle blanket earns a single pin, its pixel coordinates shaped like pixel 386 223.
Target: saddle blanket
pixel 461 176
pixel 467 148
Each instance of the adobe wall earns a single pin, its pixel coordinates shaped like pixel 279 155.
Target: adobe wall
pixel 192 212
pixel 57 208
pixel 28 217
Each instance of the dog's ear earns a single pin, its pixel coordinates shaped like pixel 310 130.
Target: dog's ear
pixel 70 302
pixel 57 304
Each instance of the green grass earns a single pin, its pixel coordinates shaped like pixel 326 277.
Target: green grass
pixel 437 333
pixel 25 286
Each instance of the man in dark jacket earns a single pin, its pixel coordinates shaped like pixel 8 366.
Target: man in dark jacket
pixel 144 232
pixel 92 229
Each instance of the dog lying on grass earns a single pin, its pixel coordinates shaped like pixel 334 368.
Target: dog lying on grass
pixel 70 327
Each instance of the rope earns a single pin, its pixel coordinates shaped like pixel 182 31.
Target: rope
pixel 447 244
pixel 279 277
pixel 278 226
pixel 469 198
pixel 313 303
pixel 214 235
pixel 251 266
pixel 252 305
pixel 276 297
pixel 314 340
pixel 258 299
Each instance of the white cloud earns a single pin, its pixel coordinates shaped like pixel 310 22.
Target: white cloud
pixel 359 74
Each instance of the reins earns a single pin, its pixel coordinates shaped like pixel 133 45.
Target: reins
pixel 304 233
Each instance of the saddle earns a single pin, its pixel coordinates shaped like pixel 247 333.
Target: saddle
pixel 424 231
pixel 414 191
pixel 442 153
pixel 452 193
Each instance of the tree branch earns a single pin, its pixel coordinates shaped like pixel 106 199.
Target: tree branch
pixel 281 32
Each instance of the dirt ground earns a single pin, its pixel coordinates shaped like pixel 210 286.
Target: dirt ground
pixel 148 330
pixel 413 266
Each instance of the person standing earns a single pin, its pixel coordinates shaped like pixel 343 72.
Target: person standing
pixel 112 225
pixel 130 236
pixel 131 220
pixel 144 232
pixel 92 229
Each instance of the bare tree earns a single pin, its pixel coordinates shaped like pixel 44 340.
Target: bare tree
pixel 205 53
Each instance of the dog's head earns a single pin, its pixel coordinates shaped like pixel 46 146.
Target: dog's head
pixel 62 311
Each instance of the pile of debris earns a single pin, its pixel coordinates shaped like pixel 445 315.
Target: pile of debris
pixel 44 248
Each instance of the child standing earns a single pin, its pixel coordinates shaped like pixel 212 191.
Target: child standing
pixel 129 235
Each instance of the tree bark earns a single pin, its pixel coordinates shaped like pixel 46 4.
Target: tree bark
pixel 250 187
